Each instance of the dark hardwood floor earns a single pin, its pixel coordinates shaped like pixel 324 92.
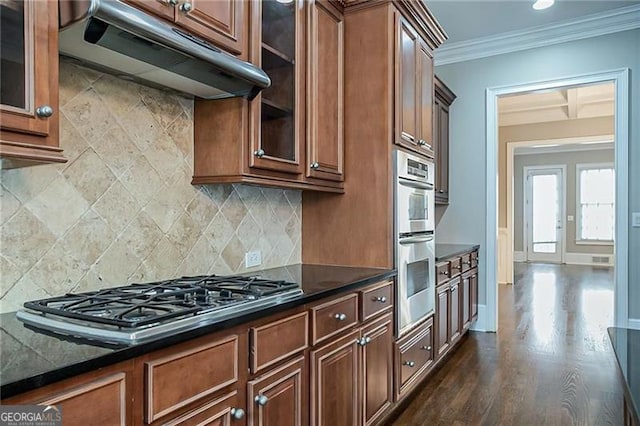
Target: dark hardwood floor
pixel 550 363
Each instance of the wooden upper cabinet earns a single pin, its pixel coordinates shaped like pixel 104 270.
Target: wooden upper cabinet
pixel 414 90
pixel 443 98
pixel 29 83
pixel 220 21
pixel 406 86
pixel 425 82
pixel 325 92
pixel 224 23
pixel 276 126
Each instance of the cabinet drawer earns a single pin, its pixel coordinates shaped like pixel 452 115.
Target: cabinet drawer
pixel 329 319
pixel 414 354
pixel 178 379
pixel 442 272
pixel 474 259
pixel 465 262
pixel 376 300
pixel 216 412
pixel 277 340
pixel 456 267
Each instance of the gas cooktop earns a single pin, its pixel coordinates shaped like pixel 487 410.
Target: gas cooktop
pixel 138 312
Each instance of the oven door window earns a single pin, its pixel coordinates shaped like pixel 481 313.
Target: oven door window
pixel 417 277
pixel 418 205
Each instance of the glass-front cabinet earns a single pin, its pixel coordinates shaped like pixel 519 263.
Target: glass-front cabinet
pixel 276 129
pixel 29 82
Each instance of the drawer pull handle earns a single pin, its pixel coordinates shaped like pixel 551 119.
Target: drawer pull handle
pixel 380 299
pixel 467 263
pixel 340 317
pixel 409 364
pixel 364 341
pixel 426 348
pixel 237 413
pixel 444 272
pixel 261 400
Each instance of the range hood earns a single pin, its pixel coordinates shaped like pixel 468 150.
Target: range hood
pixel 122 40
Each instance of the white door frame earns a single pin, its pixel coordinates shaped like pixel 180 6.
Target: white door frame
pixel 563 208
pixel 620 78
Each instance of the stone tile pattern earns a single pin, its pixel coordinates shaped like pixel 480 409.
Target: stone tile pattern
pixel 123 208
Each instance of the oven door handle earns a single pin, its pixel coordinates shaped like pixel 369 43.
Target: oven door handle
pixel 413 184
pixel 416 240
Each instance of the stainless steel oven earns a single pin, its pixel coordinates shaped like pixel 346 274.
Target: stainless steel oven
pixel 415 242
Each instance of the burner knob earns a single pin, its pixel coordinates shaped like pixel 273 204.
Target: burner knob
pixel 262 400
pixel 237 413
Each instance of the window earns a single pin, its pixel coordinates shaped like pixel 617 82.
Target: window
pixel 596 202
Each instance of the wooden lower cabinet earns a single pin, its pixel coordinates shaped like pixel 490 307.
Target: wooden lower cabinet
pixel 455 328
pixel 414 355
pixel 97 398
pixel 377 369
pixel 219 412
pixel 473 285
pixel 442 319
pixel 278 398
pixel 334 382
pixel 465 301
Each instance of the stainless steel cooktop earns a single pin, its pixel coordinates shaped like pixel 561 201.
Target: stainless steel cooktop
pixel 139 312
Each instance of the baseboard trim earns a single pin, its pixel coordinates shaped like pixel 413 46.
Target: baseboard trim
pixel 481 323
pixel 634 323
pixel 518 256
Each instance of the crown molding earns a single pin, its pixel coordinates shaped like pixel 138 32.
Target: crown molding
pixel 560 148
pixel 612 21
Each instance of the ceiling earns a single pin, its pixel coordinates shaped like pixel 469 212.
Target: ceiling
pixel 470 19
pixel 557 105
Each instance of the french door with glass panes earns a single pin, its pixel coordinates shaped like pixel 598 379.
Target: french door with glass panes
pixel 544 213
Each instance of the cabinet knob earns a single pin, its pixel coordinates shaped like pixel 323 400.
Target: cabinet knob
pixel 172 2
pixel 364 341
pixel 444 272
pixel 315 165
pixel 340 317
pixel 422 142
pixel 237 413
pixel 466 263
pixel 426 348
pixel 259 153
pixel 441 191
pixel 186 7
pixel 380 299
pixel 44 111
pixel 409 364
pixel 261 400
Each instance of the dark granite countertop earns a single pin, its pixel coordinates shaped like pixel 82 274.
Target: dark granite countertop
pixel 626 346
pixel 30 358
pixel 445 251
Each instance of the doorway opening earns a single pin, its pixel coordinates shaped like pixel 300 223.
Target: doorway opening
pixel 547 245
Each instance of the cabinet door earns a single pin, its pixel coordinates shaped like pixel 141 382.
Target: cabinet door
pixel 162 8
pixel 425 107
pixel 276 126
pixel 29 81
pixel 442 141
pixel 465 302
pixel 325 96
pixel 454 309
pixel 407 95
pixel 223 22
pixel 442 312
pixel 219 412
pixel 473 284
pixel 277 397
pixel 377 366
pixel 334 383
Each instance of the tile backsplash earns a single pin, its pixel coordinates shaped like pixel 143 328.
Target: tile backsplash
pixel 123 209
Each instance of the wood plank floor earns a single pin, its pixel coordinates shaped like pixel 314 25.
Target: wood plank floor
pixel 551 362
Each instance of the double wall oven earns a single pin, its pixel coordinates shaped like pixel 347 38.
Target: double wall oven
pixel 415 244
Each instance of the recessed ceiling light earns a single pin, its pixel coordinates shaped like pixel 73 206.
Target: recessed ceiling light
pixel 291 1
pixel 542 4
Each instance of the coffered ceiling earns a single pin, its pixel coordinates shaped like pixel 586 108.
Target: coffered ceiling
pixel 557 105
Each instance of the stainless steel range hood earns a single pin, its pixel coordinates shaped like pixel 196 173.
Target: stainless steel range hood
pixel 119 39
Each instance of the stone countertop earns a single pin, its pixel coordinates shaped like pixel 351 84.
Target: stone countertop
pixel 31 358
pixel 445 251
pixel 626 346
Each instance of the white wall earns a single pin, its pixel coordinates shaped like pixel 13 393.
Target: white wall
pixel 463 220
